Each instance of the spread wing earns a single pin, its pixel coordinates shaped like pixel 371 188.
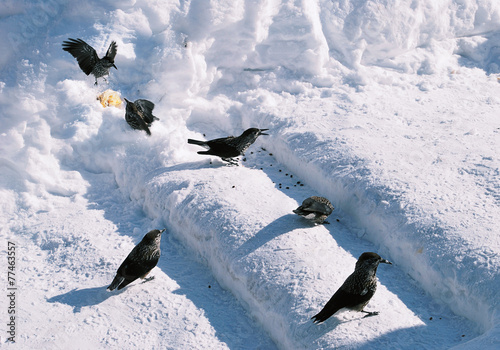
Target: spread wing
pixel 83 52
pixel 111 53
pixel 147 110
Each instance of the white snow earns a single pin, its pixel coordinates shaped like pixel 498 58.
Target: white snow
pixel 387 108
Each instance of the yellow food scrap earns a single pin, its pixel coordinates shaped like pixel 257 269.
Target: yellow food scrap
pixel 110 98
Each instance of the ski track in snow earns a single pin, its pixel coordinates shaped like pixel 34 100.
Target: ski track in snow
pixel 413 177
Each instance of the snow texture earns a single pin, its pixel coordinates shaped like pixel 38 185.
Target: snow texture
pixel 387 108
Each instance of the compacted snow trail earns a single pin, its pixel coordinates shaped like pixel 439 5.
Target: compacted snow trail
pixel 240 220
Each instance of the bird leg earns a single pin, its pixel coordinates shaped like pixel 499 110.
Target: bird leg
pixel 368 313
pixel 231 161
pixel 148 279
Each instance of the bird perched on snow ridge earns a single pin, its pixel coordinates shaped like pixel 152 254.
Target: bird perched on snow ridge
pixel 228 148
pixel 140 261
pixel 316 209
pixel 139 114
pixel 357 289
pixel 87 57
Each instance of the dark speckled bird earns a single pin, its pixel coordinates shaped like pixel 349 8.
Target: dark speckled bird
pixel 228 148
pixel 139 114
pixel 141 260
pixel 87 57
pixel 357 289
pixel 316 209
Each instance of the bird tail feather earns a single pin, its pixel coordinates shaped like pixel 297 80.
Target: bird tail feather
pixel 196 142
pixel 116 282
pixel 299 211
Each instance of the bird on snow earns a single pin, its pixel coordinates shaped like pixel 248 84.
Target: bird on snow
pixel 316 209
pixel 141 260
pixel 357 289
pixel 87 57
pixel 139 114
pixel 228 148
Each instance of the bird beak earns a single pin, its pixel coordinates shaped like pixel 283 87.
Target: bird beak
pixel 161 231
pixel 263 133
pixel 385 261
pixel 126 100
pixel 115 66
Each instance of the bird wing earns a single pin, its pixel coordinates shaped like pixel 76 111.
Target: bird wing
pixel 332 306
pixel 315 205
pixel 132 269
pixel 111 53
pixel 135 120
pixel 83 52
pixel 146 107
pixel 225 147
pixel 319 208
pixel 342 299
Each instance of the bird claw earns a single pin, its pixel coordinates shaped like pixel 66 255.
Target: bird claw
pixel 148 279
pixel 231 161
pixel 369 314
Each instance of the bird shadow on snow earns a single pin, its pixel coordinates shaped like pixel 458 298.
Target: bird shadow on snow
pixel 411 337
pixel 280 226
pixel 79 298
pixel 204 164
pixel 311 330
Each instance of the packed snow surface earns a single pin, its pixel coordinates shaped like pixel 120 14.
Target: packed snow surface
pixel 387 108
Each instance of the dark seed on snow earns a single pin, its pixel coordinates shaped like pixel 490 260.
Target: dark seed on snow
pixel 430 318
pixel 287 188
pixel 270 154
pixel 291 176
pixel 339 221
pixel 301 184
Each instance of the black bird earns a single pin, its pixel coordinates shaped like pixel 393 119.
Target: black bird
pixel 139 114
pixel 357 289
pixel 141 260
pixel 316 209
pixel 87 57
pixel 228 148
